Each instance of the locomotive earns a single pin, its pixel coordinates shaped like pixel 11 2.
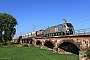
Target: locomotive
pixel 58 30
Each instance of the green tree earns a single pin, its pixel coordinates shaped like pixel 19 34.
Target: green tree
pixel 7 27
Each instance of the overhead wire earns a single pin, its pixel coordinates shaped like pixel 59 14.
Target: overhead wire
pixel 79 16
pixel 76 17
pixel 75 13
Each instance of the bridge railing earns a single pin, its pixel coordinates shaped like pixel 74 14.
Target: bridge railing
pixel 88 31
pixel 82 31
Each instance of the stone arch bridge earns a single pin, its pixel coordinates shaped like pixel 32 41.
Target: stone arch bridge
pixel 67 44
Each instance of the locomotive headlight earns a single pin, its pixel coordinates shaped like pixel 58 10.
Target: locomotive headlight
pixel 67 30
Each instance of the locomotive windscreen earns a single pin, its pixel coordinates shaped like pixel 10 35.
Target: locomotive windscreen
pixel 69 24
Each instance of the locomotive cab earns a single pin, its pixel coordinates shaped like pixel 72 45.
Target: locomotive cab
pixel 69 28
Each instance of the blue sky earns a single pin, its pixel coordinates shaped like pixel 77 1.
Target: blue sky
pixel 44 13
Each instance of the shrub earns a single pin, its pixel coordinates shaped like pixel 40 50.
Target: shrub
pixel 25 45
pixel 88 52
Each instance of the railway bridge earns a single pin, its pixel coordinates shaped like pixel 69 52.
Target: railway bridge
pixel 60 44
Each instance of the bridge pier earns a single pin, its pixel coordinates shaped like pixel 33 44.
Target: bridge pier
pixel 42 46
pixel 82 55
pixel 55 49
pixel 29 41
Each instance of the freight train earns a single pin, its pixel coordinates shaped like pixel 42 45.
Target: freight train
pixel 58 30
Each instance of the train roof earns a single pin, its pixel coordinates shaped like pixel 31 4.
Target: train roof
pixel 56 25
pixel 53 26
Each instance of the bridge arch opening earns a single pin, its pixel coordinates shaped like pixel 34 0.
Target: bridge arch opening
pixel 49 44
pixel 38 42
pixel 30 41
pixel 69 47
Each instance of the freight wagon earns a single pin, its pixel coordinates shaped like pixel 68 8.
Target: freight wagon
pixel 40 33
pixel 31 34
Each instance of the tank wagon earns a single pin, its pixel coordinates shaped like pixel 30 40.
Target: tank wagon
pixel 31 34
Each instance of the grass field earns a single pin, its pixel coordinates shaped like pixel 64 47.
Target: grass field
pixel 32 53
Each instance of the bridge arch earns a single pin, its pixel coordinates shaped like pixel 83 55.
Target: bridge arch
pixel 49 44
pixel 38 42
pixel 69 46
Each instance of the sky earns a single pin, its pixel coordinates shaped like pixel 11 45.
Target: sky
pixel 39 14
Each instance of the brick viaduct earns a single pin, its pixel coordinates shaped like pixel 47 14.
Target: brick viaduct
pixel 82 42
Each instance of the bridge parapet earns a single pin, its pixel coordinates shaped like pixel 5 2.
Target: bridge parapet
pixel 82 31
pixel 81 41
